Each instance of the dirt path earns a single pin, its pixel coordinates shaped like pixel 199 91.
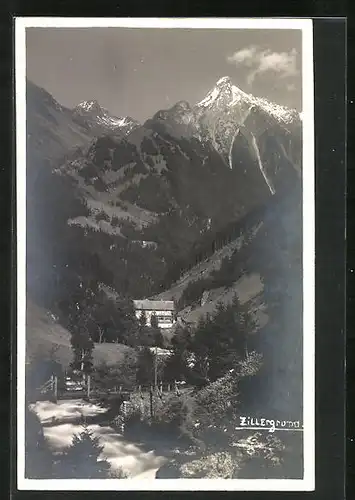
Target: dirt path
pixel 120 452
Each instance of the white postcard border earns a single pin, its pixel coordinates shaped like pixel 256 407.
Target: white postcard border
pixel 308 482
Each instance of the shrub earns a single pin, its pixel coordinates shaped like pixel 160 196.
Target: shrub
pixel 118 474
pixel 88 171
pixel 99 185
pixel 220 465
pixel 115 221
pixel 102 216
pixel 108 377
pixel 252 455
pixel 218 400
pixel 261 455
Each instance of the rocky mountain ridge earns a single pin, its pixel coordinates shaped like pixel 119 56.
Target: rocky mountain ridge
pixel 168 161
pixel 54 130
pixel 93 116
pixel 145 203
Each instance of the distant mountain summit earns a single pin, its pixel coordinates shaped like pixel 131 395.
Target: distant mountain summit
pixel 227 95
pixel 177 179
pixel 239 125
pixel 53 130
pixel 229 117
pixel 95 117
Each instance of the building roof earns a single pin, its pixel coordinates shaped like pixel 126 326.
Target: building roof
pixel 160 351
pixel 154 305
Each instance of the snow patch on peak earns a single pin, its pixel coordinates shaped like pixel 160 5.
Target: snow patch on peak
pixel 238 95
pixel 210 98
pixel 92 111
pixel 89 105
pixel 223 89
pixel 224 80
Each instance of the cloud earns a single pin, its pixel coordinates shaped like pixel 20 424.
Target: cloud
pixel 291 87
pixel 260 61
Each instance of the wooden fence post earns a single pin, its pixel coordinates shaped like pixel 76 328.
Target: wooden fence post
pixel 88 385
pixel 151 402
pixel 56 388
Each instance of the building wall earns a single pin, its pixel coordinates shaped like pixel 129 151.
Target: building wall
pixel 165 318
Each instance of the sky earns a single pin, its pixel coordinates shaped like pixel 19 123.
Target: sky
pixel 136 72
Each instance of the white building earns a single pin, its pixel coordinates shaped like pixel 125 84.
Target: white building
pixel 164 310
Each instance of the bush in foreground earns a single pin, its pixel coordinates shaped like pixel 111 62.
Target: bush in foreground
pixel 254 456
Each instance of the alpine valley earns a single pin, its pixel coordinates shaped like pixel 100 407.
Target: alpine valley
pixel 197 204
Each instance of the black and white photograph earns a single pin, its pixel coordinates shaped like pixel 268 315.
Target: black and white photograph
pixel 165 254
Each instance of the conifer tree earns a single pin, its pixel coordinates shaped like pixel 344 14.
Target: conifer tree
pixel 177 364
pixel 220 340
pixel 154 321
pixel 142 319
pixel 145 370
pixel 82 459
pixel 82 346
pixel 157 337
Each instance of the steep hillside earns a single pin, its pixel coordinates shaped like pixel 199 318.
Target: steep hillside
pixel 263 266
pixel 237 265
pixel 151 209
pixel 51 131
pixel 54 130
pixel 210 290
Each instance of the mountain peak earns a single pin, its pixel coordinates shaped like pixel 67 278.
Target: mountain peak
pixel 224 81
pixel 89 106
pixel 226 95
pixel 222 90
pixel 92 112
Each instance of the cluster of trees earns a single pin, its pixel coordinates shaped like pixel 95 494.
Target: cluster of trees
pixel 199 354
pixel 218 342
pixel 136 368
pixel 94 320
